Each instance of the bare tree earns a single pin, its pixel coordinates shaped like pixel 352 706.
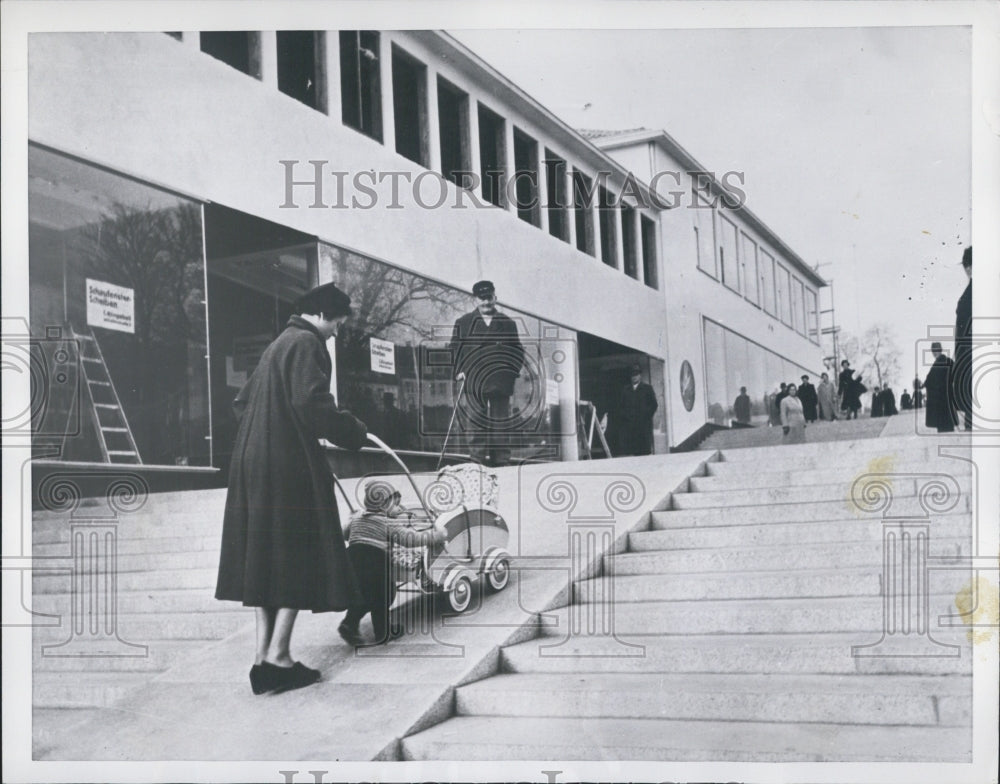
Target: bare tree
pixel 876 354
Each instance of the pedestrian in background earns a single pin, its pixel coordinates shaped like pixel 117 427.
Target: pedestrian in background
pixel 848 389
pixel 807 394
pixel 793 421
pixel 634 415
pixel 888 402
pixel 962 370
pixel 940 414
pixel 826 396
pixel 877 402
pixel 741 407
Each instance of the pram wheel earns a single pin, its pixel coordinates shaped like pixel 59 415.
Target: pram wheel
pixel 499 575
pixel 460 595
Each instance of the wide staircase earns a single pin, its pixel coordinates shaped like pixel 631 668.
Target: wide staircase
pixel 816 432
pixel 158 564
pixel 766 614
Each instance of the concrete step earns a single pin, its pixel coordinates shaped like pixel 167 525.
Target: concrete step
pixel 740 514
pixel 848 529
pixel 803 494
pixel 146 628
pixel 131 545
pixel 494 738
pixel 83 690
pixel 778 584
pixel 156 523
pixel 725 561
pixel 50 726
pixel 176 501
pixel 765 654
pixel 155 561
pixel 159 655
pixel 204 578
pixel 865 699
pixel 139 602
pixel 754 616
pixel 736 476
pixel 792 455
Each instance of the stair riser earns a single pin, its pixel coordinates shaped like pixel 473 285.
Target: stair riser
pixel 848 530
pixel 865 617
pixel 42 583
pixel 728 658
pixel 898 709
pixel 150 562
pixel 78 695
pixel 159 525
pixel 129 545
pixel 729 476
pixel 134 602
pixel 797 494
pixel 159 656
pixel 778 585
pixel 908 507
pixel 834 451
pixel 724 562
pixel 145 629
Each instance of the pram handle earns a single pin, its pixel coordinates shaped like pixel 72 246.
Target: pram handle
pixel 389 451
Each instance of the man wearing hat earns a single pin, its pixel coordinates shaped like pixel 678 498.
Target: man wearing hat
pixel 937 387
pixel 962 370
pixel 634 419
pixel 282 545
pixel 487 355
pixel 808 398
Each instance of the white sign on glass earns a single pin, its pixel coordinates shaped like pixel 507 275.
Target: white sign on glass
pixel 383 354
pixel 110 306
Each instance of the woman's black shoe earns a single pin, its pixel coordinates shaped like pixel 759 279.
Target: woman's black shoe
pixel 289 678
pixel 259 680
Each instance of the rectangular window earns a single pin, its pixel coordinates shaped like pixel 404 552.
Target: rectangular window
pixel 526 178
pixel 608 216
pixel 649 252
pixel 409 106
pixel 704 235
pixel 492 156
pixel 453 127
pixel 555 192
pixel 239 49
pixel 297 65
pixel 630 247
pixel 749 264
pixel 813 315
pixel 766 268
pixel 783 291
pixel 583 215
pixel 798 307
pixel 360 87
pixel 728 259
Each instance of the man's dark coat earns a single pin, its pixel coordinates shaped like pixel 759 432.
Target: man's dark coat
pixel 807 395
pixel 282 544
pixel 634 419
pixel 490 355
pixel 962 369
pixel 938 389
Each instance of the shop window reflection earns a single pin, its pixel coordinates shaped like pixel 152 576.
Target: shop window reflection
pixel 121 263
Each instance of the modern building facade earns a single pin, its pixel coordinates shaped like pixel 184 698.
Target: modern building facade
pixel 185 188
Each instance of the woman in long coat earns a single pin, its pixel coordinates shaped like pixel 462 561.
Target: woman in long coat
pixel 826 395
pixel 849 390
pixel 793 420
pixel 282 545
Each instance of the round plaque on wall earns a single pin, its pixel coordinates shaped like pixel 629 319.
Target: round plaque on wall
pixel 687 385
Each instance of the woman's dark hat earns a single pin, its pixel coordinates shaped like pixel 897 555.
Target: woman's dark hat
pixel 483 288
pixel 326 299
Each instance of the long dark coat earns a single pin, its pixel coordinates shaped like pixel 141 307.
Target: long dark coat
pixel 282 544
pixel 938 389
pixel 849 389
pixel 634 419
pixel 807 395
pixel 490 355
pixel 962 369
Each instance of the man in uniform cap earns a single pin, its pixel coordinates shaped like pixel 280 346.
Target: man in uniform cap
pixel 634 419
pixel 488 356
pixel 282 545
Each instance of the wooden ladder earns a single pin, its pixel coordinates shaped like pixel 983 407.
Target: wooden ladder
pixel 109 416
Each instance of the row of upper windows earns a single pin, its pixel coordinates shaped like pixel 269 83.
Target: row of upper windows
pixel 300 71
pixel 734 258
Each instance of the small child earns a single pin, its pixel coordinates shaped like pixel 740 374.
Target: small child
pixel 372 535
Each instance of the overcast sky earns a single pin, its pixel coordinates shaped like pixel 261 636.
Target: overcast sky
pixel 855 142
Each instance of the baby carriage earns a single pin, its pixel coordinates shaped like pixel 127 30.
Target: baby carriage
pixel 461 502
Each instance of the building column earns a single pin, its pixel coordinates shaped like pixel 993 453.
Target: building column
pixel 509 192
pixel 570 210
pixel 385 84
pixel 542 188
pixel 640 266
pixel 328 73
pixel 433 128
pixel 268 42
pixel 192 39
pixel 619 238
pixel 473 140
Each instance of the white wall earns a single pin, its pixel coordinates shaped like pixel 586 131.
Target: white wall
pixel 162 111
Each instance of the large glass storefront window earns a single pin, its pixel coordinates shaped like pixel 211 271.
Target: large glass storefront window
pixel 731 362
pixel 394 371
pixel 116 270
